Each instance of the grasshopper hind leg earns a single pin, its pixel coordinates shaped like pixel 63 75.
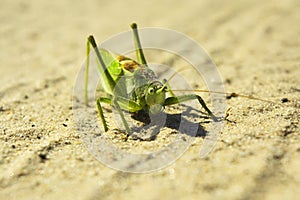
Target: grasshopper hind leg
pixel 138 47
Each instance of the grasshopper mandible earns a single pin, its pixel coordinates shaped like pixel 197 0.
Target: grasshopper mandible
pixel 140 89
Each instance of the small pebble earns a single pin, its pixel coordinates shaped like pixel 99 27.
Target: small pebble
pixel 284 100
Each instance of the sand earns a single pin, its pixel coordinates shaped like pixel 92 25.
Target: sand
pixel 256 47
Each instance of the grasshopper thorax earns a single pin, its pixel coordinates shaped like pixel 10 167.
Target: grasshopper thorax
pixel 155 95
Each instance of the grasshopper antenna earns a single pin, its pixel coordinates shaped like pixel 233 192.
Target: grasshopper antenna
pixel 166 83
pixel 229 95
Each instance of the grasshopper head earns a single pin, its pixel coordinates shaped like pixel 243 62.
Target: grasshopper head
pixel 155 96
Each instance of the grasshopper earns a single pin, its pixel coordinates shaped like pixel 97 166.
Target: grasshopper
pixel 131 85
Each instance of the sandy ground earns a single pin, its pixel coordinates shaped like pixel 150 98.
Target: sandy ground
pixel 256 47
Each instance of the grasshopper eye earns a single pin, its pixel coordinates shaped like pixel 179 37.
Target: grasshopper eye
pixel 151 90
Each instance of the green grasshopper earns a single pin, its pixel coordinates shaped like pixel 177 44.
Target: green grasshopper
pixel 131 85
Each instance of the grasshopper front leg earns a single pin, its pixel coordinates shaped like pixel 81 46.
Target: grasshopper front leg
pixel 119 103
pixel 188 97
pixel 117 106
pixel 100 110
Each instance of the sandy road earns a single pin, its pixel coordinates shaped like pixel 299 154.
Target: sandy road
pixel 256 47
